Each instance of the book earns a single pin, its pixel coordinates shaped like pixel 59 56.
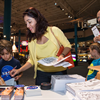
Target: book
pixel 52 61
pixel 84 89
pixel 2 82
pixel 92 95
pixel 2 89
pixel 19 93
pixel 7 93
pixel 32 91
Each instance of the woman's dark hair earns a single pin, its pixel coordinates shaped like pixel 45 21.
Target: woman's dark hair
pixel 41 25
pixel 95 46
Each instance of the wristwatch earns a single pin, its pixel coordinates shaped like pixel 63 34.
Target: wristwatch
pixel 63 55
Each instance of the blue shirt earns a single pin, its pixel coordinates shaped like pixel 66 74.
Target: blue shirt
pixel 7 66
pixel 93 73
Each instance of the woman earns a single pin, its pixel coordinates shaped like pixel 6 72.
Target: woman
pixel 42 44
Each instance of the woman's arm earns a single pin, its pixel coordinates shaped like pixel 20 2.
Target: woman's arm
pixel 26 66
pixel 64 53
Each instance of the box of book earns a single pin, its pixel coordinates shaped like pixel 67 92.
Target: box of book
pixel 7 93
pixel 88 90
pixel 32 91
pixel 59 81
pixel 19 93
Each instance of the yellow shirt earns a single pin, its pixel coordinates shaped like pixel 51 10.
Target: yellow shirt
pixel 48 49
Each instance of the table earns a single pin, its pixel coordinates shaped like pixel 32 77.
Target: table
pixel 49 95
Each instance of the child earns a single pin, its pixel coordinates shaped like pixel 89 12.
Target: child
pixel 7 62
pixel 95 53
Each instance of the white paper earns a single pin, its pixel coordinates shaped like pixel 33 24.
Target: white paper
pixel 11 82
pixel 52 61
pixel 85 89
pixel 95 32
pixel 64 64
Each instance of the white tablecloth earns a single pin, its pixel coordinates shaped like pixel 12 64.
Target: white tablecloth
pixel 49 95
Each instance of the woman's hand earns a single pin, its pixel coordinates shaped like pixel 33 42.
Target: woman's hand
pixel 14 72
pixel 60 57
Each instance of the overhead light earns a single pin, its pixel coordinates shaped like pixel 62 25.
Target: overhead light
pixel 11 37
pixel 66 13
pixel 1 27
pixel 55 3
pixel 14 48
pixel 69 16
pixel 4 36
pixel 62 9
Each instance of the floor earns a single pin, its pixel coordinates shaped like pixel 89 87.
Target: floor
pixel 27 78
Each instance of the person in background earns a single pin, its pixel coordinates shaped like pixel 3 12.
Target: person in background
pixel 95 53
pixel 7 62
pixel 97 38
pixel 42 44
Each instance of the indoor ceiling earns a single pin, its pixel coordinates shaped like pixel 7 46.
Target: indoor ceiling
pixel 62 13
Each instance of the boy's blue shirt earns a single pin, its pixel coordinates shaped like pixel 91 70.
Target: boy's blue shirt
pixel 7 66
pixel 93 73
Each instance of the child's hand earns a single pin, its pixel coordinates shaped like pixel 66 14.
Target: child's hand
pixel 16 77
pixel 97 38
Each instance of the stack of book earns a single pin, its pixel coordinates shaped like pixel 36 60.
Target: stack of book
pixel 7 93
pixel 19 93
pixel 84 90
pixel 2 82
pixel 59 81
pixel 2 89
pixel 32 91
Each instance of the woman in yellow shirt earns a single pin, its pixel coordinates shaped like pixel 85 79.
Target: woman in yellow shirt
pixel 42 44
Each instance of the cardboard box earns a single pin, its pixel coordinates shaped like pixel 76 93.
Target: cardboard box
pixel 59 81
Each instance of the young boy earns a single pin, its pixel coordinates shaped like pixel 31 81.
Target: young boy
pixel 95 53
pixel 7 62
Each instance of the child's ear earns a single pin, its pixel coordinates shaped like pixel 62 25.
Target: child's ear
pixel 94 50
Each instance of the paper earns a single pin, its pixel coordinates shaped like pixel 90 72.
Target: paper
pixel 84 89
pixel 95 32
pixel 52 61
pixel 11 82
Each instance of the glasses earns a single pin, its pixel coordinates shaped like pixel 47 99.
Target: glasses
pixel 98 18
